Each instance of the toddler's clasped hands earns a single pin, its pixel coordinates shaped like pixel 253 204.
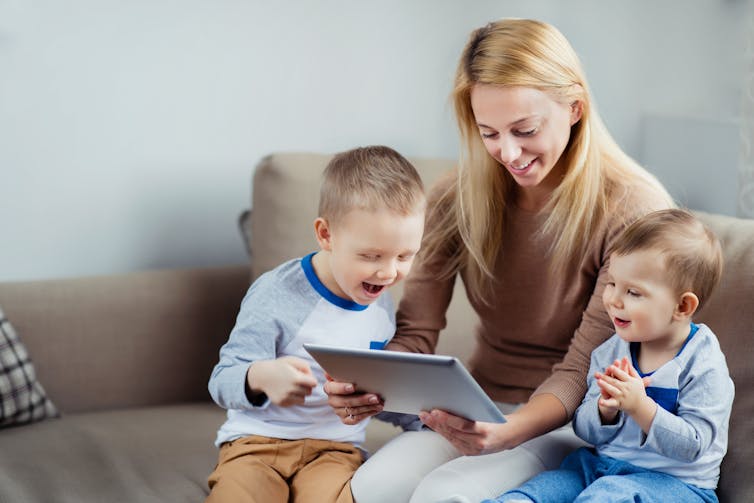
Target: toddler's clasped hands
pixel 622 388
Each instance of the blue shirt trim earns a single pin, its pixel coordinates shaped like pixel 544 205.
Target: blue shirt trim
pixel 306 264
pixel 377 344
pixel 667 398
pixel 634 348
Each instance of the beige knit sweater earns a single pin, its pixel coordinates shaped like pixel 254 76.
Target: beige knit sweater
pixel 538 331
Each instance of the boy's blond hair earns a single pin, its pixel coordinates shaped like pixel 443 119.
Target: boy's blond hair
pixel 692 252
pixel 370 178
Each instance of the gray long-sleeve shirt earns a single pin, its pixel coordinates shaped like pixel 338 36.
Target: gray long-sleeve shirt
pixel 282 310
pixel 689 434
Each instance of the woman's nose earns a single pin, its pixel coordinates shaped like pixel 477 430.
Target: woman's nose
pixel 508 149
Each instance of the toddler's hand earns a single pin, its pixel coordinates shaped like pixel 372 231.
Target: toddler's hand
pixel 286 380
pixel 624 388
pixel 619 387
pixel 607 406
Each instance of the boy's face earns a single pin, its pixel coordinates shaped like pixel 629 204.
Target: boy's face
pixel 370 251
pixel 638 297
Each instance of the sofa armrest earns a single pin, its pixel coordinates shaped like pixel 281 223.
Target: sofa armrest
pixel 128 340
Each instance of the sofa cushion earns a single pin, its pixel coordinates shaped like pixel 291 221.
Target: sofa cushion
pixel 730 314
pixel 152 454
pixel 22 398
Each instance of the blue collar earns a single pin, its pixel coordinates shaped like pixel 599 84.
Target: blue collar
pixel 306 264
pixel 634 348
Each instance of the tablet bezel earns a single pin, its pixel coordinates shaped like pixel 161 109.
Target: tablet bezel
pixel 409 382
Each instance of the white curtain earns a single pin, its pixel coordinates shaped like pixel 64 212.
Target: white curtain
pixel 746 169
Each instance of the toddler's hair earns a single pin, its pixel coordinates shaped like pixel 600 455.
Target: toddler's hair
pixel 692 252
pixel 370 178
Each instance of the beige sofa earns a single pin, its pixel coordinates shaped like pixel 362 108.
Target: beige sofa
pixel 126 358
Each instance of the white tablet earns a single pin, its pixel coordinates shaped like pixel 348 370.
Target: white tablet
pixel 409 382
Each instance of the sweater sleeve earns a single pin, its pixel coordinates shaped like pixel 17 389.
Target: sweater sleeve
pixel 256 336
pixel 568 379
pixel 426 296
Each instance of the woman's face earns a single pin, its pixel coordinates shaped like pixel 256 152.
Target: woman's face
pixel 526 131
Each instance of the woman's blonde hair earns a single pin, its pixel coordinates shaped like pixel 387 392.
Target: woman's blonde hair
pixel 528 53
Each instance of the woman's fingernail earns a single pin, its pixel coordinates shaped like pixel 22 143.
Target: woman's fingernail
pixel 374 399
pixel 349 388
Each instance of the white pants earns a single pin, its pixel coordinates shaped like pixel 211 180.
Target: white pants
pixel 423 467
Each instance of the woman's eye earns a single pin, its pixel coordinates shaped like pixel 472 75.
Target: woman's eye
pixel 488 135
pixel 634 293
pixel 527 132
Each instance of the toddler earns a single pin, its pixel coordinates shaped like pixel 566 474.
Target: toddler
pixel 659 395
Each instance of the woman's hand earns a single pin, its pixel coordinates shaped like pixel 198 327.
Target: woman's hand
pixel 350 406
pixel 542 413
pixel 470 437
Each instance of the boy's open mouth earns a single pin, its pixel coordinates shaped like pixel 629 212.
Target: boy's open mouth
pixel 372 289
pixel 621 322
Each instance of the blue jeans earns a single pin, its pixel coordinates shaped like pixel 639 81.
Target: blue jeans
pixel 584 476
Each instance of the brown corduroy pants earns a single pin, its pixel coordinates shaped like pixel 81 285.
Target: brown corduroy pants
pixel 268 470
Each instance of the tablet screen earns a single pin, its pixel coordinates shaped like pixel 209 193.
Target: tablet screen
pixel 409 382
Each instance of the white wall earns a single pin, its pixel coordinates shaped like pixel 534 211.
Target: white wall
pixel 129 130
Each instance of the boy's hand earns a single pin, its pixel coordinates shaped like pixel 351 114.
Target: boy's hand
pixel 286 380
pixel 626 391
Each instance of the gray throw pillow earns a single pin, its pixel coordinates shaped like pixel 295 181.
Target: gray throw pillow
pixel 22 398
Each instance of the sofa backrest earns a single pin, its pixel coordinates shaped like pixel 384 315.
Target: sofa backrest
pixel 730 314
pixel 280 227
pixel 126 340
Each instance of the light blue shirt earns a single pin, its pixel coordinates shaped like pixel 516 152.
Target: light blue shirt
pixel 689 434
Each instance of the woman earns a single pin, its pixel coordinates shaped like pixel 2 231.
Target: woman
pixel 526 221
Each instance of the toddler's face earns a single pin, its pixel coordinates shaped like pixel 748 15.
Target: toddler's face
pixel 373 250
pixel 638 297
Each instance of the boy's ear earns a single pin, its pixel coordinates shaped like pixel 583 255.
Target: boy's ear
pixel 322 233
pixel 687 305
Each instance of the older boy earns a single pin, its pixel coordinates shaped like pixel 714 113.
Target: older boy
pixel 658 412
pixel 282 441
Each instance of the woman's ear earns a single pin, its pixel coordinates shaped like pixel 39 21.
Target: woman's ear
pixel 577 110
pixel 687 305
pixel 322 233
